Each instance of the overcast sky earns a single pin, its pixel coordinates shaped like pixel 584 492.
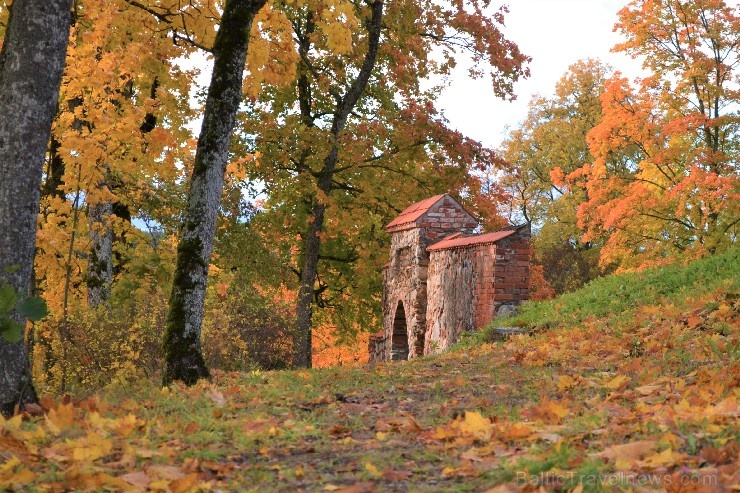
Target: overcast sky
pixel 555 33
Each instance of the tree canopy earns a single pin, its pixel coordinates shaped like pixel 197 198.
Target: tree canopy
pixel 338 127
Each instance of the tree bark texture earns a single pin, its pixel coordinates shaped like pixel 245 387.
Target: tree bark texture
pixel 100 263
pixel 302 345
pixel 182 344
pixel 31 65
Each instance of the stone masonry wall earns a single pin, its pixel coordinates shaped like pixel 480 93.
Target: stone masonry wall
pixel 450 288
pixel 404 279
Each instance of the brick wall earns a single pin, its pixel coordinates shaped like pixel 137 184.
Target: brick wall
pixel 511 270
pixel 485 291
pixel 467 285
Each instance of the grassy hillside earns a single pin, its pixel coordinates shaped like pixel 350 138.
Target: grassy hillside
pixel 620 295
pixel 628 385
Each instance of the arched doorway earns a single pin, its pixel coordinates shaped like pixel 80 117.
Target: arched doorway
pixel 400 340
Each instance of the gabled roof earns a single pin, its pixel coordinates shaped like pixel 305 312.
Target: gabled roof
pixel 414 212
pixel 411 215
pixel 458 242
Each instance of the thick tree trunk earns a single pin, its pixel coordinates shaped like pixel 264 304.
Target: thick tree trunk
pixel 302 353
pixel 182 346
pixel 31 65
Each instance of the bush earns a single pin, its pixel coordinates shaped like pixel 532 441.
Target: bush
pixel 248 332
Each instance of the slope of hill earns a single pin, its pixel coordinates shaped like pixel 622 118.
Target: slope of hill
pixel 628 385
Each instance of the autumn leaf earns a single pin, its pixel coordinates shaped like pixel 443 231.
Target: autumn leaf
pixel 462 471
pixel 565 382
pixel 90 448
pixel 626 455
pixel 372 470
pixel 191 482
pixel 60 418
pixel 216 397
pixel 646 390
pixel 90 480
pixel 139 479
pixel 516 431
pixel 550 412
pixel 666 458
pixel 617 383
pixel 13 474
pixel 475 425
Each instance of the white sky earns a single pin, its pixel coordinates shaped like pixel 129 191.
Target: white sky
pixel 555 33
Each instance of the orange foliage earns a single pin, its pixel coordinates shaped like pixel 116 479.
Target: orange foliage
pixel 329 351
pixel 663 182
pixel 539 288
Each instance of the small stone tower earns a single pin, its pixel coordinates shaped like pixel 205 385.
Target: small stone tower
pixel 443 280
pixel 405 277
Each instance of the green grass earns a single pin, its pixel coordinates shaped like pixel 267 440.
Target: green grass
pixel 617 296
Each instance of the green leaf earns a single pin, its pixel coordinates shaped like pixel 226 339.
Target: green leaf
pixel 13 333
pixel 7 299
pixel 33 309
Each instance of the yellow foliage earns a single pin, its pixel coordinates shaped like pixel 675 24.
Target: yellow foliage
pixel 337 21
pixel 272 57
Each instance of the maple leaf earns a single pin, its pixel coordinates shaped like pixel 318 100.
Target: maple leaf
pixel 666 458
pixel 626 455
pixel 475 425
pixel 372 470
pixel 90 448
pixel 548 411
pixel 515 431
pixel 90 480
pixel 216 396
pixel 60 418
pixel 565 382
pixel 617 383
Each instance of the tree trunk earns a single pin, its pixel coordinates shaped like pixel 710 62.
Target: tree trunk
pixel 302 345
pixel 100 263
pixel 31 65
pixel 182 346
pixel 54 172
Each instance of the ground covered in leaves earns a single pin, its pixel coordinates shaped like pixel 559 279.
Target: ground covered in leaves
pixel 645 403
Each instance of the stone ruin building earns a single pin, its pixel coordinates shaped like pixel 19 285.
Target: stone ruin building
pixel 443 279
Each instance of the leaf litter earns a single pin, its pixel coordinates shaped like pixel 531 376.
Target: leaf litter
pixel 535 413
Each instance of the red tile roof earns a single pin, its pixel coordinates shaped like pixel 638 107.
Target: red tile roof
pixel 491 237
pixel 453 235
pixel 414 212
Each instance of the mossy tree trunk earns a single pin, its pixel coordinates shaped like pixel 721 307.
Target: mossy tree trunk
pixel 31 65
pixel 182 344
pixel 344 106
